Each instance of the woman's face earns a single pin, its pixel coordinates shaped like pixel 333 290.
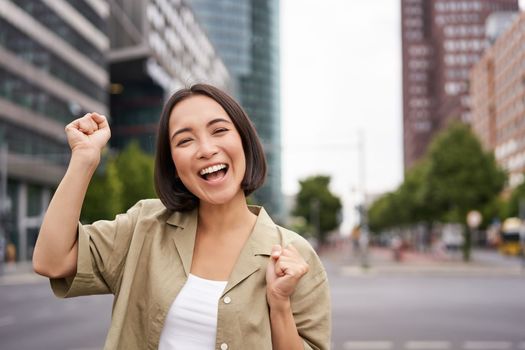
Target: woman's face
pixel 206 149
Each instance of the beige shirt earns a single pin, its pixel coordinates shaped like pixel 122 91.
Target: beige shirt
pixel 144 257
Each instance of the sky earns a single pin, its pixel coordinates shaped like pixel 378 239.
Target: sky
pixel 341 78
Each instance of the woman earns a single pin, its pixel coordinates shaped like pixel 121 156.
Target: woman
pixel 199 268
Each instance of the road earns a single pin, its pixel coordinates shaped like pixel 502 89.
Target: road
pixel 384 307
pixel 427 306
pixel 32 318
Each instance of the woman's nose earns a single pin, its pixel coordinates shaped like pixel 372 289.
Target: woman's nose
pixel 207 149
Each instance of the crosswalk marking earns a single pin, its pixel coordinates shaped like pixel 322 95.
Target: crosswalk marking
pixel 367 345
pixel 487 345
pixel 430 345
pixel 427 345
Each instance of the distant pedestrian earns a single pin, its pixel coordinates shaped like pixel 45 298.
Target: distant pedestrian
pixel 199 268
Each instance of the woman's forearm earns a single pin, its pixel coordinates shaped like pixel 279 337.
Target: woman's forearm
pixel 55 253
pixel 284 330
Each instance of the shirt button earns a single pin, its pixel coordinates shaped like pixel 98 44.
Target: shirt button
pixel 227 300
pixel 224 346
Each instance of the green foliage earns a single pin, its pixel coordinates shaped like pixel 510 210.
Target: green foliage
pixel 454 177
pixel 407 205
pixel 122 181
pixel 302 227
pixel 513 205
pixel 316 204
pixel 104 197
pixel 135 169
pixel 461 176
pixel 382 214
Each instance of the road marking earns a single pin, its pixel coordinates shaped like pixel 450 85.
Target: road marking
pixel 487 345
pixel 367 345
pixel 6 321
pixel 424 345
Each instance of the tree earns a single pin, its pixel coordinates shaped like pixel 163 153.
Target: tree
pixel 135 169
pixel 516 202
pixel 119 183
pixel 382 213
pixel 317 205
pixel 461 176
pixel 405 206
pixel 104 196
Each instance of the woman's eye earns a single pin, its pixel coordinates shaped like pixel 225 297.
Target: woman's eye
pixel 183 141
pixel 220 130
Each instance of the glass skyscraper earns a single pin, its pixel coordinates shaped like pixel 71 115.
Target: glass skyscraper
pixel 52 70
pixel 245 33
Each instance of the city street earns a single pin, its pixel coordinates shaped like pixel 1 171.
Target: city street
pixel 422 304
pixel 415 304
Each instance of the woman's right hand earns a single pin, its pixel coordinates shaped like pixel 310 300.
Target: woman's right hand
pixel 88 135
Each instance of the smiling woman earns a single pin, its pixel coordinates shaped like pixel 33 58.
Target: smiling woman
pixel 199 268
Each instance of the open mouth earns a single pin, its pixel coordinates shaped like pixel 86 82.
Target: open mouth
pixel 214 172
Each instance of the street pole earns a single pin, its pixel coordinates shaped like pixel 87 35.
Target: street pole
pixel 364 234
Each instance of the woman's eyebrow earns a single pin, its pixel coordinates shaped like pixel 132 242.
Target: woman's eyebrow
pixel 180 131
pixel 211 122
pixel 217 120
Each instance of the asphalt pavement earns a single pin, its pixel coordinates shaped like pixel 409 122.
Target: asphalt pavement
pixel 424 301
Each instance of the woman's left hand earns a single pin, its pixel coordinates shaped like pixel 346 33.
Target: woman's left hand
pixel 285 268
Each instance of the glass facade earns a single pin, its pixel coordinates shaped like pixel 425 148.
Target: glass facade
pixel 246 35
pixel 90 14
pixel 228 25
pixel 32 52
pixel 23 141
pixel 58 91
pixel 49 19
pixel 138 108
pixel 178 54
pixel 26 95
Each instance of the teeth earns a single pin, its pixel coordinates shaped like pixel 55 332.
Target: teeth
pixel 212 169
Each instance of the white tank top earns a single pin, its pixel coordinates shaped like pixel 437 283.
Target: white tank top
pixel 191 322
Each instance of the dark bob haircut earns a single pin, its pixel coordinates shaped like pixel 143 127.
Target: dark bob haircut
pixel 170 189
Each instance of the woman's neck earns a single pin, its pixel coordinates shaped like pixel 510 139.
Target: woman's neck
pixel 226 217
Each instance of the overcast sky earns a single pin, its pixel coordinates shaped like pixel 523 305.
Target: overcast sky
pixel 341 73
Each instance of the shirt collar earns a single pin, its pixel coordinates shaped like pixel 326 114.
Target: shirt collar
pixel 264 234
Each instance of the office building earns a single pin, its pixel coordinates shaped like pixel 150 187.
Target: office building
pixel 62 58
pixel 52 70
pixel 157 47
pixel 246 35
pixel 497 92
pixel 441 41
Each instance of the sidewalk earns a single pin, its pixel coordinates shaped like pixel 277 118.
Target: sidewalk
pixel 380 261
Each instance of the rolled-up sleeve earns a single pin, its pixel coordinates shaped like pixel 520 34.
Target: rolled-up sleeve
pixel 311 306
pixel 102 250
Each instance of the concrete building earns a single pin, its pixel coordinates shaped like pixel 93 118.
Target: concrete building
pixel 52 70
pixel 157 47
pixel 497 93
pixel 441 41
pixel 55 62
pixel 246 35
